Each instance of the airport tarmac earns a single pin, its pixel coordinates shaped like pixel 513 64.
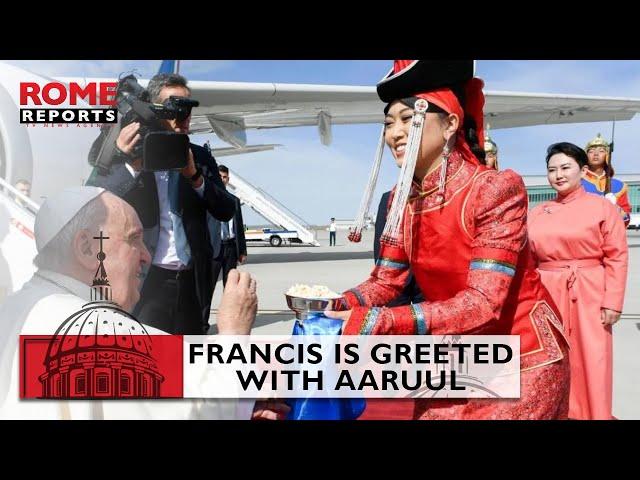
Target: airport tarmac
pixel 347 264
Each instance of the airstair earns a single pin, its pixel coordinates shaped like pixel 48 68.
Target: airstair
pixel 17 241
pixel 269 208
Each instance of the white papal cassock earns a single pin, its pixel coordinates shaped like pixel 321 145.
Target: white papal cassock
pixel 38 309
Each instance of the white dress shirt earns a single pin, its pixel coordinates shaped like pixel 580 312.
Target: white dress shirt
pixel 165 255
pixel 231 234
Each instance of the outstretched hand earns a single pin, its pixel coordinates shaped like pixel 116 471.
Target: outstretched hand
pixel 343 315
pixel 239 304
pixel 270 410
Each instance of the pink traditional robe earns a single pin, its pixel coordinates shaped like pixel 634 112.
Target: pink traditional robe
pixel 580 245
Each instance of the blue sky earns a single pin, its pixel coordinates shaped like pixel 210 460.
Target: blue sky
pixel 318 182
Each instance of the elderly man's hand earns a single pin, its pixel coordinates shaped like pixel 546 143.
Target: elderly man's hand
pixel 237 310
pixel 270 410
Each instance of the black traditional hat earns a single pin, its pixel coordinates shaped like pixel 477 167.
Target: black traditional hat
pixel 409 77
pixel 432 86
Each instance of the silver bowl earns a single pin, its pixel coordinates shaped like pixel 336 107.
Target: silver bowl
pixel 304 307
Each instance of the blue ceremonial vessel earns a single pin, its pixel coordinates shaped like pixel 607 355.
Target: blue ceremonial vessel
pixel 311 323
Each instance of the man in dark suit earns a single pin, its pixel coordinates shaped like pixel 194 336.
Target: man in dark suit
pixel 227 238
pixel 411 293
pixel 173 208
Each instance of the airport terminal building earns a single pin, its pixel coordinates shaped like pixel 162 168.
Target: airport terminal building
pixel 539 190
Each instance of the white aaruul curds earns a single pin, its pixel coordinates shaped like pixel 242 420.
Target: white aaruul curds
pixel 317 291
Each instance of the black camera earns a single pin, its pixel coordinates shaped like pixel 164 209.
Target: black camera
pixel 159 148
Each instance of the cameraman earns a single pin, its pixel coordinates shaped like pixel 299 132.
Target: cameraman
pixel 172 205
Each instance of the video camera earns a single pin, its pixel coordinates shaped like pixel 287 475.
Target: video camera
pixel 159 148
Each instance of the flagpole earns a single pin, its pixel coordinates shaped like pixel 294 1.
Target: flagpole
pixel 607 188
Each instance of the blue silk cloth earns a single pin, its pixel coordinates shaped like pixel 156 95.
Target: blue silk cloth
pixel 323 408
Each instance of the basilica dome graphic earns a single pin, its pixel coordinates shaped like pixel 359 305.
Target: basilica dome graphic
pixel 101 351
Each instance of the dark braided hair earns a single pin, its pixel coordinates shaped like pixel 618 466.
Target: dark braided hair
pixel 471 136
pixel 469 126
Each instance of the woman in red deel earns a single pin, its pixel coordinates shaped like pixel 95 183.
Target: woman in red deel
pixel 461 228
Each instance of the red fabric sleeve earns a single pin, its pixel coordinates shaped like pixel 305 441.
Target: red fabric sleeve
pixel 499 215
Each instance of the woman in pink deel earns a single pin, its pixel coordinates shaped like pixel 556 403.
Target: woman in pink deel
pixel 580 245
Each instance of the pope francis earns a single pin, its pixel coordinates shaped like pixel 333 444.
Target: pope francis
pixel 65 228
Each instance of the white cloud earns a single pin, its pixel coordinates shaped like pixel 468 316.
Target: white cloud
pixel 313 181
pixel 204 69
pixel 198 69
pixel 88 68
pixel 523 149
pixel 556 76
